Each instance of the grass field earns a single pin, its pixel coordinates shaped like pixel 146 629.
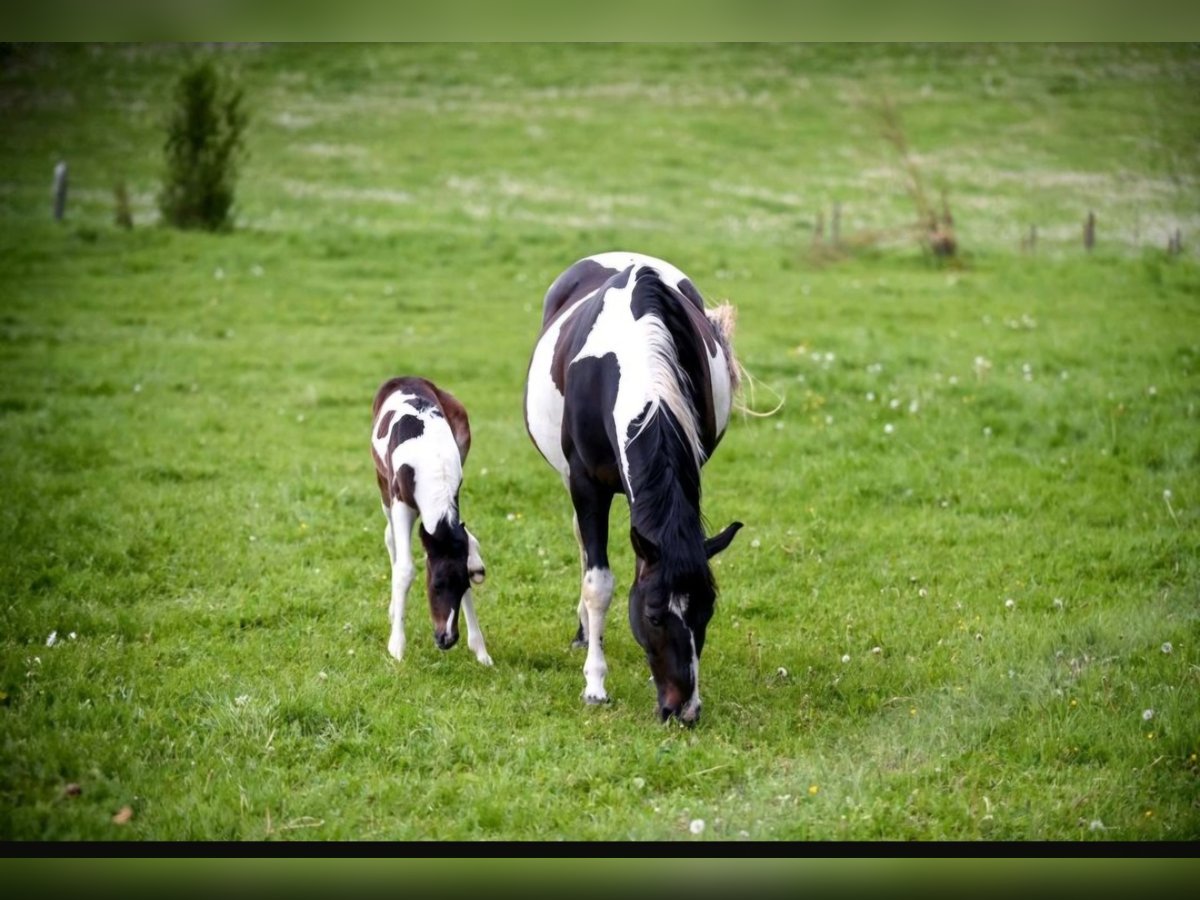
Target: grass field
pixel 965 602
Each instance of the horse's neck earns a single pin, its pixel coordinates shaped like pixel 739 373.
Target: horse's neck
pixel 667 516
pixel 437 491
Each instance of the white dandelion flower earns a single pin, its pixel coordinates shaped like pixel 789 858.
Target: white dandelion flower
pixel 1167 648
pixel 845 657
pixel 53 639
pixel 889 428
pixel 1147 715
pixel 1010 603
pixel 696 826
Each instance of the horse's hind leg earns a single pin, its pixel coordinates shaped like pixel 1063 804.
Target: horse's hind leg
pixel 580 639
pixel 592 504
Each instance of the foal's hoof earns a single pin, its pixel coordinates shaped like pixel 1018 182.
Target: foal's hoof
pixel 593 700
pixel 579 642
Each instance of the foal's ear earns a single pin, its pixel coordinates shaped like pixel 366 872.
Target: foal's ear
pixel 646 549
pixel 719 542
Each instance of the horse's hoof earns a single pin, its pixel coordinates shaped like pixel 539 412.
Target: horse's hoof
pixel 484 658
pixel 595 701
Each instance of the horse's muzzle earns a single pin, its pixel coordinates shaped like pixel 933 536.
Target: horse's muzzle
pixel 687 715
pixel 445 639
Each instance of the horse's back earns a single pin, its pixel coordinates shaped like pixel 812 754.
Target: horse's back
pixel 585 276
pixel 594 333
pixel 420 428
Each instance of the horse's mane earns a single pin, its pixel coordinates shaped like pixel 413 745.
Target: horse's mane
pixel 666 438
pixel 673 352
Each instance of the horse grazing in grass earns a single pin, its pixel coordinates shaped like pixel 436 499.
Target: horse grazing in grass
pixel 629 392
pixel 420 436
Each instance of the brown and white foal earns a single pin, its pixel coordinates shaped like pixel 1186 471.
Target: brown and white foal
pixel 419 438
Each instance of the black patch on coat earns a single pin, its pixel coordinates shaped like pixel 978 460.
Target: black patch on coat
pixel 385 424
pixel 405 486
pixel 574 284
pixel 407 428
pixel 588 430
pixel 689 290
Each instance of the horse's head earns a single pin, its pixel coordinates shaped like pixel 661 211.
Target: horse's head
pixel 446 575
pixel 669 615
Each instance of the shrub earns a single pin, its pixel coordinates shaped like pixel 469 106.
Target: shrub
pixel 203 147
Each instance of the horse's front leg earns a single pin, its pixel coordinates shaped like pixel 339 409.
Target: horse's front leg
pixel 399 543
pixel 592 504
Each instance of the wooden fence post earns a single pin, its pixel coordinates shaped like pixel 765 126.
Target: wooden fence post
pixel 1029 243
pixel 60 190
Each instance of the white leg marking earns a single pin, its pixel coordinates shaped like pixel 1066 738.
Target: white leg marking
pixel 474 632
pixel 691 707
pixel 388 539
pixel 597 596
pixel 403 570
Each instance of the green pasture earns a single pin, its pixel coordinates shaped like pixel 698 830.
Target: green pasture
pixel 966 601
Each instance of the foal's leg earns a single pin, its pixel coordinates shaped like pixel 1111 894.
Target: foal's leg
pixel 399 541
pixel 474 632
pixel 592 503
pixel 475 567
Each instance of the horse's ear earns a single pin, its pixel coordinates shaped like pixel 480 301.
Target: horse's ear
pixel 645 548
pixel 719 542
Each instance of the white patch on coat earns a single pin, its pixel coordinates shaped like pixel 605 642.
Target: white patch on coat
pixel 543 402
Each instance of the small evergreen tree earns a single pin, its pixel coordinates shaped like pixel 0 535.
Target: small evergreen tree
pixel 203 147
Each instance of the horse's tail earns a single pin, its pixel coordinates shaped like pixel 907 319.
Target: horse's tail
pixel 723 317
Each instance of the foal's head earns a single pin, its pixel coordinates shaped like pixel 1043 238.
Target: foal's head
pixel 669 613
pixel 448 575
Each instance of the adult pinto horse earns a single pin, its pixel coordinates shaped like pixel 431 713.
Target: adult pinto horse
pixel 629 392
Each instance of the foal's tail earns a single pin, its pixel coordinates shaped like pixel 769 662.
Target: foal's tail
pixel 724 317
